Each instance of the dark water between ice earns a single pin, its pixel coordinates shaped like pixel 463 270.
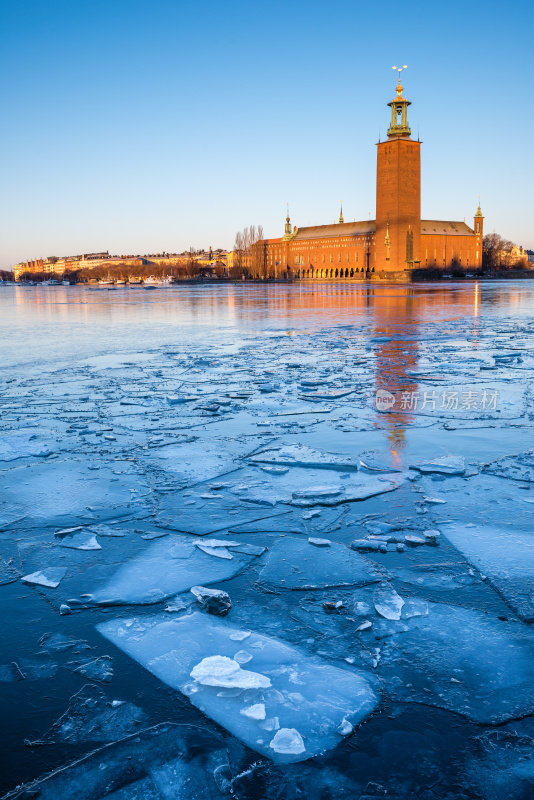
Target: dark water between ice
pixel 93 431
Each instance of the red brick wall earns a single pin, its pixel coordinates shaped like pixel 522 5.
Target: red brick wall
pixel 398 199
pixel 441 250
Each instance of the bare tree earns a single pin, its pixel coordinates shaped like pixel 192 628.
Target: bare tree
pixel 249 252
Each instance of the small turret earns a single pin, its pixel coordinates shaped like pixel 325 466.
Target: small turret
pixel 341 220
pixel 479 220
pixel 287 229
pixel 399 111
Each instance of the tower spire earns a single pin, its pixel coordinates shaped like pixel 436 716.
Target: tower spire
pixel 341 214
pixel 399 110
pixel 287 230
pixel 288 223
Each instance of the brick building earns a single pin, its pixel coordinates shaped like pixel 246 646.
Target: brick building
pixel 394 244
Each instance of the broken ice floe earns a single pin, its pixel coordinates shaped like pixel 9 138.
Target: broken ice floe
pixel 69 492
pixel 304 694
pixel 167 567
pixel 302 456
pixel 461 660
pixel 293 564
pixel 50 577
pixel 444 465
pixel 505 554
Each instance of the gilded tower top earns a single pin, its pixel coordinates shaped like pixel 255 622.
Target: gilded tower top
pixel 399 111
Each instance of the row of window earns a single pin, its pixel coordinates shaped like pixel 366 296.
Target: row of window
pixel 333 273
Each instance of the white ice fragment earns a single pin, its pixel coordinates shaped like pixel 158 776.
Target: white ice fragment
pixel 83 540
pixel 433 500
pixel 369 546
pixel 445 465
pixel 175 605
pixel 288 741
pixel 218 552
pixel 298 455
pixel 414 541
pixel 243 657
pixel 365 625
pixel 217 543
pixel 257 711
pixel 49 577
pixel 319 542
pixel 238 636
pixel 345 728
pixel 225 672
pixel 387 602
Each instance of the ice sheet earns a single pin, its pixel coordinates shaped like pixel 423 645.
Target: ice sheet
pixel 302 694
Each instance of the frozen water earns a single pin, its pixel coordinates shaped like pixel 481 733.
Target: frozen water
pixel 163 762
pixel 92 717
pixel 194 654
pixel 462 660
pixel 505 554
pixel 302 456
pixel 68 492
pixel 128 446
pixel 82 540
pixel 224 671
pixel 444 465
pixel 293 564
pixel 387 602
pixel 167 567
pixel 23 445
pixel 50 577
pixel 288 741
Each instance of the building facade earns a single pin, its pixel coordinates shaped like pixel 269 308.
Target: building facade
pixel 396 242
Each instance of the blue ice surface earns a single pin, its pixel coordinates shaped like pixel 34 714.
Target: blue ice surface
pixel 309 704
pixel 167 567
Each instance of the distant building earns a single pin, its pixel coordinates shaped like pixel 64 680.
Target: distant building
pixel 394 244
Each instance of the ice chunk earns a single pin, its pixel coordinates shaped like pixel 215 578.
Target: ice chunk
pixel 387 602
pixel 69 492
pixel 164 762
pixel 415 541
pixel 505 554
pixel 305 692
pixel 226 672
pixel 461 660
pixel 518 468
pixel 444 465
pixel 98 669
pixel 90 717
pixel 167 567
pixel 82 540
pixel 50 577
pixel 369 546
pixel 288 741
pixel 319 542
pixel 215 601
pixel 293 564
pixel 218 552
pixel 298 455
pixel 257 711
pixel 23 445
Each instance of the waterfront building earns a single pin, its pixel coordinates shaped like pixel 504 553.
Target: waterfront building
pixel 394 244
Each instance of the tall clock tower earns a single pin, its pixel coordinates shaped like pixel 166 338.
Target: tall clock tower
pixel 398 193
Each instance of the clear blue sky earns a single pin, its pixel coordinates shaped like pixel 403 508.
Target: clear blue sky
pixel 140 126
